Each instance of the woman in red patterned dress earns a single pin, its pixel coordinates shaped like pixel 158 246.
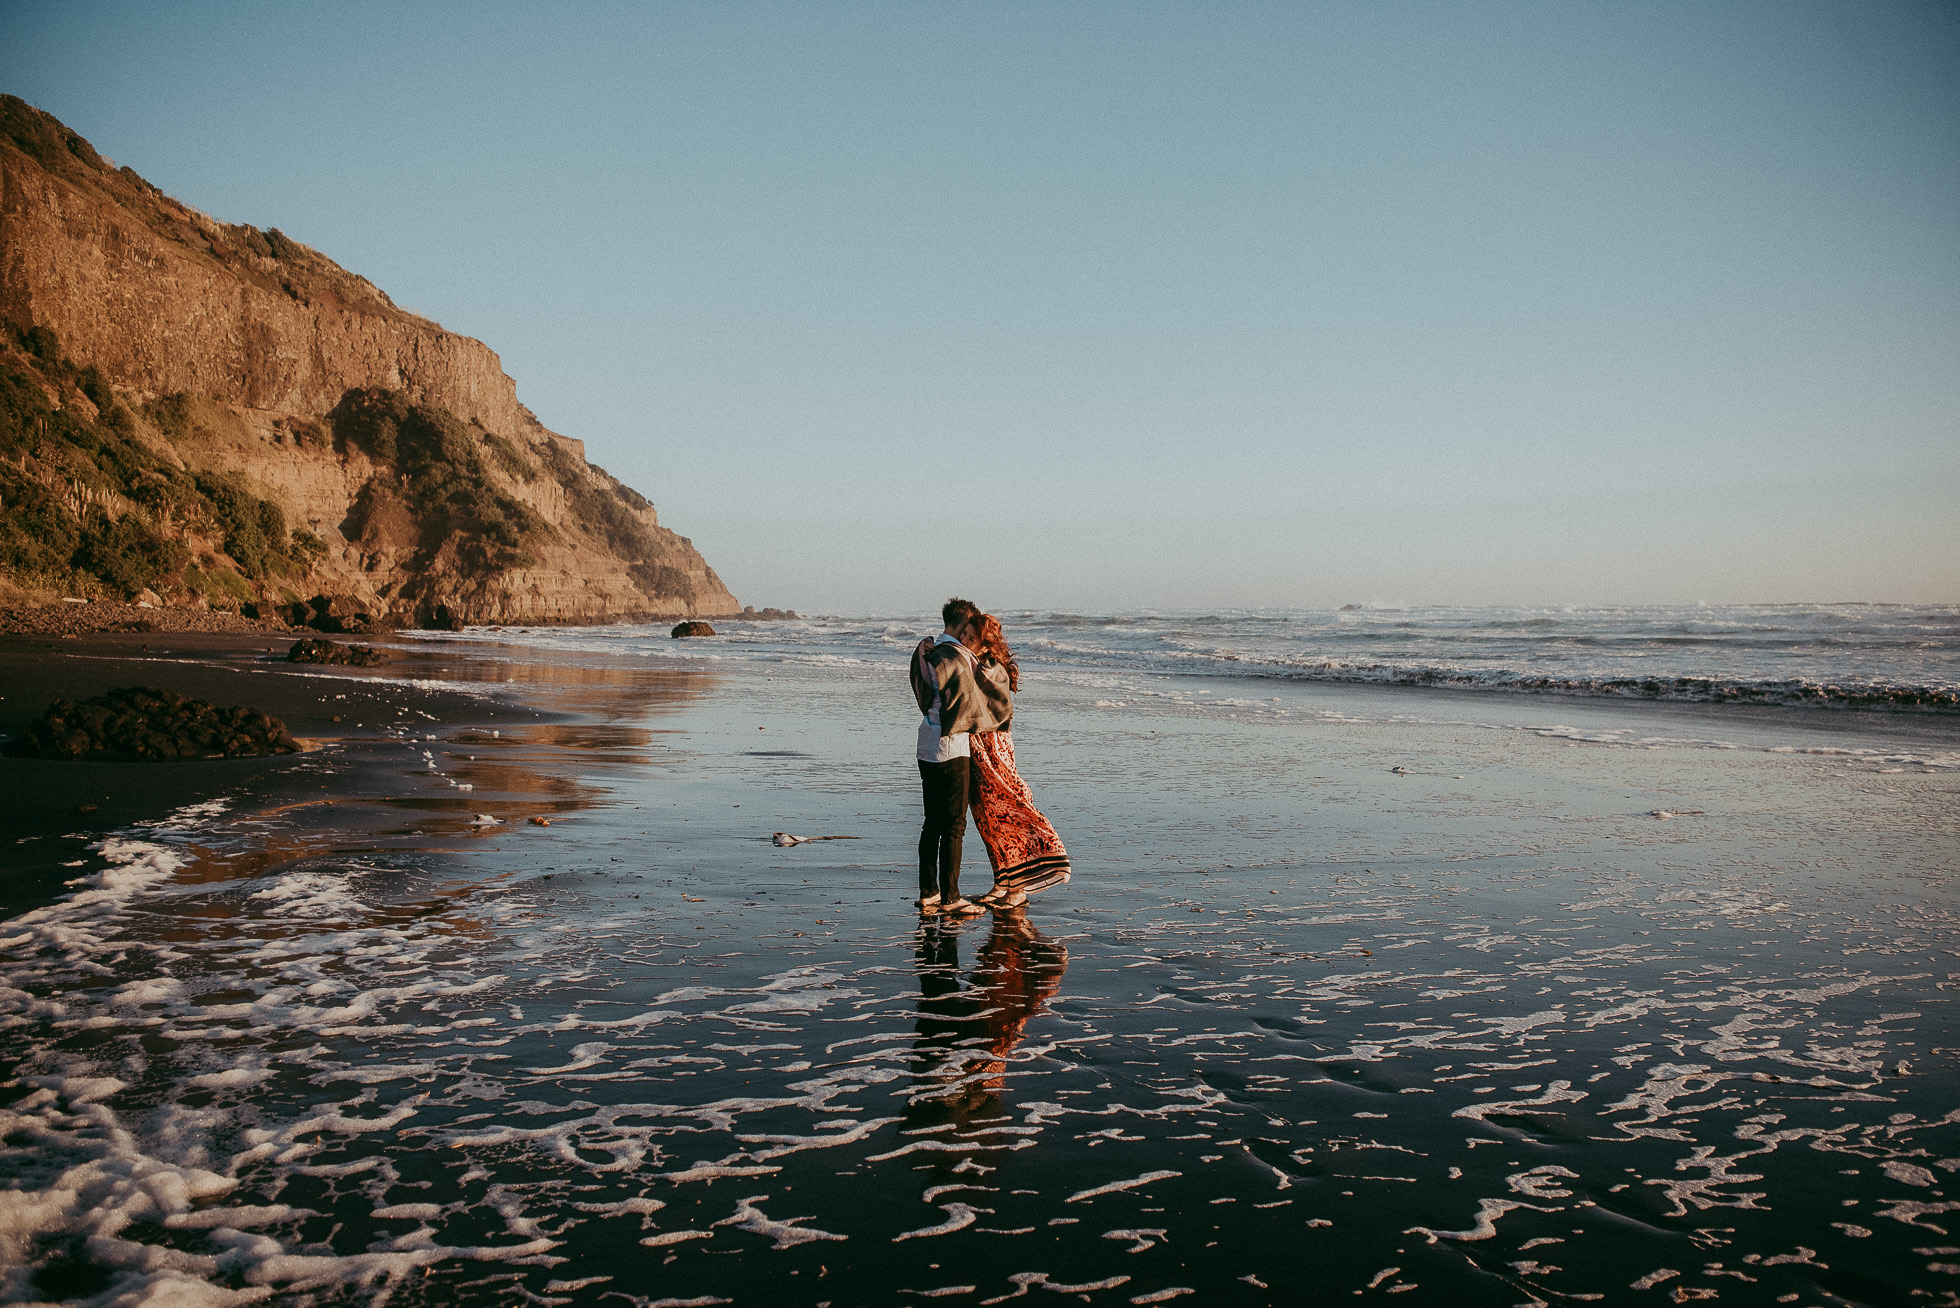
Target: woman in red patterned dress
pixel 1027 855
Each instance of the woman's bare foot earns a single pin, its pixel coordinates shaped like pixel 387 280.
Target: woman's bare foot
pixel 1013 899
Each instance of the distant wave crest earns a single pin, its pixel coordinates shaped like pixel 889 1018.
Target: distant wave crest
pixel 1903 658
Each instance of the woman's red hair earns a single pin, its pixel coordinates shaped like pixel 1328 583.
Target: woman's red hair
pixel 993 645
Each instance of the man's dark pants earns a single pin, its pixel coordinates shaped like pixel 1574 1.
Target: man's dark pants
pixel 945 827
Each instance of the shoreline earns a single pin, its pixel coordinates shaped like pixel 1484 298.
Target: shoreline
pixel 77 617
pixel 347 784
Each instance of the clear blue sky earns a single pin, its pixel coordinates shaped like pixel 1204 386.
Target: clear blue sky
pixel 1129 304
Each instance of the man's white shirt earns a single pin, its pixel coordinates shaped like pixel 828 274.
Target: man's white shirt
pixel 933 747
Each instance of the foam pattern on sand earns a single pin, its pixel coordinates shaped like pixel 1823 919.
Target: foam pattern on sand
pixel 379 1080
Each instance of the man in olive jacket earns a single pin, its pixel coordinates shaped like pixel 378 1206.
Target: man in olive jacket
pixel 946 684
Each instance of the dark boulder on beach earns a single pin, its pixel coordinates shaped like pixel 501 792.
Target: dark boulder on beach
pixel 326 651
pixel 139 724
pixel 692 629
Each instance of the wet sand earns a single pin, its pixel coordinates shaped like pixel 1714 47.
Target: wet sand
pixel 61 808
pixel 1488 1028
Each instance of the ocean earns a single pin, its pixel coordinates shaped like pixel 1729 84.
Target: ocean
pixel 1827 655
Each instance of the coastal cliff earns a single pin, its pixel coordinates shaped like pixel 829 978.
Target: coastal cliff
pixel 219 415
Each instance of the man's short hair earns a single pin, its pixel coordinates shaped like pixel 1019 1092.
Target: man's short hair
pixel 958 612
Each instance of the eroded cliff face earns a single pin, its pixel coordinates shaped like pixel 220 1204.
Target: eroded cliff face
pixel 226 351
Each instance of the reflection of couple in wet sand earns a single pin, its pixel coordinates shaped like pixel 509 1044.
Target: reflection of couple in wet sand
pixel 964 680
pixel 967 1033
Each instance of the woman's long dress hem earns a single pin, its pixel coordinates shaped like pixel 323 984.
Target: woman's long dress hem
pixel 1027 855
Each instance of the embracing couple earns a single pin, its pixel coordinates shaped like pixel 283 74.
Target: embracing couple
pixel 964 680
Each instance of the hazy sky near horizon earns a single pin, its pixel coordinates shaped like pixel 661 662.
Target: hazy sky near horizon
pixel 1113 305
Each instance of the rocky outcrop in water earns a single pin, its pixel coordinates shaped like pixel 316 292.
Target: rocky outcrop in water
pixel 138 724
pixel 225 416
pixel 686 629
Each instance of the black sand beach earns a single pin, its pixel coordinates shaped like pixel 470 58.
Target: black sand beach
pixel 67 806
pixel 1536 1018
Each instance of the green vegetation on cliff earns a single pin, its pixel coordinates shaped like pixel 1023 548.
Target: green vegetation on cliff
pixel 93 505
pixel 609 510
pixel 86 505
pixel 447 485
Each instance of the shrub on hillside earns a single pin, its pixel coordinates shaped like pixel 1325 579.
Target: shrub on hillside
pixel 96 386
pixel 604 515
pixel 118 419
pixel 282 245
pixel 307 548
pixel 255 529
pixel 38 533
pixel 171 415
pixel 661 581
pixel 447 486
pixel 512 460
pixel 22 409
pixel 44 537
pixel 127 553
pixel 610 510
pixel 41 137
pixel 42 343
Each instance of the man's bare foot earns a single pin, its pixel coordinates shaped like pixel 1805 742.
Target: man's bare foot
pixel 961 908
pixel 929 902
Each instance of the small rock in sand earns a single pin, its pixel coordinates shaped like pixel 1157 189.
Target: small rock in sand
pixel 485 820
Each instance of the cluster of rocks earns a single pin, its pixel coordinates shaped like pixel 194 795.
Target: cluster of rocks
pixel 691 629
pixel 82 618
pixel 750 613
pixel 139 724
pixel 334 614
pixel 326 651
